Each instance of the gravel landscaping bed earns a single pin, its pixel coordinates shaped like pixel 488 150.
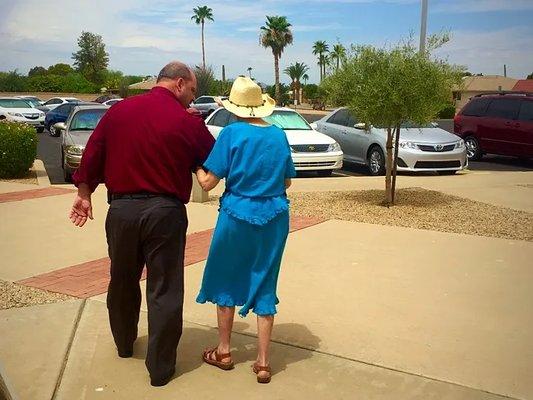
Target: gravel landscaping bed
pixel 30 178
pixel 415 208
pixel 14 295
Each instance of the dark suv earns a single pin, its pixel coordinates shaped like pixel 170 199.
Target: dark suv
pixel 500 123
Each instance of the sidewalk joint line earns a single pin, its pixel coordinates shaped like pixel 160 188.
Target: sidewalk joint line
pixel 366 363
pixel 67 353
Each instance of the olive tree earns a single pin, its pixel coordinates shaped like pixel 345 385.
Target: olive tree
pixel 387 87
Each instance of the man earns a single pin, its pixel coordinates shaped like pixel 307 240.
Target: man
pixel 144 149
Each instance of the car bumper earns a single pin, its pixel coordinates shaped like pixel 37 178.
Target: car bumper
pixel 417 160
pixel 37 123
pixel 72 162
pixel 317 161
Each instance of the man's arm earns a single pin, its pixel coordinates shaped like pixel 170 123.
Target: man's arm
pixel 89 175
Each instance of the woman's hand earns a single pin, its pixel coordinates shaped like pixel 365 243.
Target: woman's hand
pixel 207 180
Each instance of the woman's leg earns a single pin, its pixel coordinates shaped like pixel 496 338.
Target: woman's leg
pixel 225 324
pixel 264 332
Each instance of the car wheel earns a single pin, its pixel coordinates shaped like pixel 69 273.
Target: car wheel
pixel 473 151
pixel 40 129
pixel 53 131
pixel 446 172
pixel 376 161
pixel 324 172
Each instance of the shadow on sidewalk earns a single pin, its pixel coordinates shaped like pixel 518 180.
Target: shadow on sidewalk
pixel 297 340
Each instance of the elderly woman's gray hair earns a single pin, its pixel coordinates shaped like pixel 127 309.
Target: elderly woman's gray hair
pixel 174 70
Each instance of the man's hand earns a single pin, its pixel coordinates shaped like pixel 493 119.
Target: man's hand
pixel 194 111
pixel 82 207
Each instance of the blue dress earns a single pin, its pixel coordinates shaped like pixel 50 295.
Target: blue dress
pixel 245 255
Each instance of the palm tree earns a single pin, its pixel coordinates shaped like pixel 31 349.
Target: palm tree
pixel 200 15
pixel 296 72
pixel 338 54
pixel 249 69
pixel 320 48
pixel 276 35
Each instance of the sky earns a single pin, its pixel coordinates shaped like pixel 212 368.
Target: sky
pixel 143 35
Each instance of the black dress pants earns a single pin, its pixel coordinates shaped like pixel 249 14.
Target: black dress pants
pixel 149 231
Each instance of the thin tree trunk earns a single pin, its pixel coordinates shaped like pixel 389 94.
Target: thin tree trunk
pixel 388 167
pixel 338 60
pixel 203 49
pixel 276 74
pixel 395 165
pixel 320 65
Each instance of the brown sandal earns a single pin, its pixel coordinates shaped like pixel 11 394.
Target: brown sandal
pixel 258 368
pixel 217 362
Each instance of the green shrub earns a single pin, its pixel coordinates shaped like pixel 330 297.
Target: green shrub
pixel 447 112
pixel 18 149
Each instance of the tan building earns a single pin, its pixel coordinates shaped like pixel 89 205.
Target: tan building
pixel 473 85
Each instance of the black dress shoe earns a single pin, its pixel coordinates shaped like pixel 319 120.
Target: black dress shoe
pixel 161 381
pixel 125 354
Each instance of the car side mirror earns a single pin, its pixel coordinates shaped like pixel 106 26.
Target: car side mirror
pixel 60 126
pixel 360 125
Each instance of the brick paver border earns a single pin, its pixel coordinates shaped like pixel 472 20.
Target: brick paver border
pixel 92 278
pixel 33 194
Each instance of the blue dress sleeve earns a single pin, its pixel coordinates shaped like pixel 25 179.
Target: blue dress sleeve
pixel 218 161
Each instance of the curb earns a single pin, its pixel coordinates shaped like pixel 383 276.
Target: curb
pixel 40 171
pixel 6 390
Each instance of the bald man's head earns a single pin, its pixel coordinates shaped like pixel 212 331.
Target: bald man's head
pixel 180 80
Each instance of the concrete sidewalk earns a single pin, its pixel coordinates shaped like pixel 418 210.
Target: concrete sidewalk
pixel 366 311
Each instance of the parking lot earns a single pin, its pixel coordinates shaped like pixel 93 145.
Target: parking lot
pixel 49 152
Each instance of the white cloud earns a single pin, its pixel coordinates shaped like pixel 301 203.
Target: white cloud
pixel 478 6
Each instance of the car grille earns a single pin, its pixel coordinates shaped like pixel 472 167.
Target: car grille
pixel 310 148
pixel 438 164
pixel 314 164
pixel 31 116
pixel 436 147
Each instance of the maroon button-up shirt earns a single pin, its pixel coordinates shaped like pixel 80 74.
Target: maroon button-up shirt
pixel 146 143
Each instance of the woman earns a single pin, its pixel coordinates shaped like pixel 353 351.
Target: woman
pixel 253 223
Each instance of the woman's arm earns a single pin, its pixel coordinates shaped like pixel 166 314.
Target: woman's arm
pixel 288 183
pixel 207 180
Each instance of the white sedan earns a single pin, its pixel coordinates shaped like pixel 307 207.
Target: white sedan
pixel 311 150
pixel 55 102
pixel 19 110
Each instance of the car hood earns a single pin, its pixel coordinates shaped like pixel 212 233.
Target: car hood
pixel 79 138
pixel 423 135
pixel 307 137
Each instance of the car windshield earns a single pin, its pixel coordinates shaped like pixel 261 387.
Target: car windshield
pixel 14 103
pixel 72 100
pixel 287 120
pixel 32 102
pixel 86 120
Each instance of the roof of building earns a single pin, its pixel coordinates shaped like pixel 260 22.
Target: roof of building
pixel 524 85
pixel 144 85
pixel 488 83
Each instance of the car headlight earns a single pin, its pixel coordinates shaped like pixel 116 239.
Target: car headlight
pixel 408 145
pixel 334 147
pixel 460 144
pixel 75 150
pixel 15 114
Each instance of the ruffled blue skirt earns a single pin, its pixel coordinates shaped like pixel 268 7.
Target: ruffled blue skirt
pixel 243 264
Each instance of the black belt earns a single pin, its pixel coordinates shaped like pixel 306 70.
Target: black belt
pixel 134 196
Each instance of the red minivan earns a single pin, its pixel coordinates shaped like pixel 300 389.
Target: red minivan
pixel 500 123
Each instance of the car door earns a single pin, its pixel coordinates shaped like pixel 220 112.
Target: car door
pixel 524 128
pixel 501 130
pixel 355 140
pixel 335 128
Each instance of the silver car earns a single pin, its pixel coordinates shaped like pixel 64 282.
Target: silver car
pixel 422 148
pixel 206 104
pixel 75 133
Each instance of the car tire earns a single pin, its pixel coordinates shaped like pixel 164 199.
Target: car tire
pixel 376 161
pixel 473 151
pixel 324 172
pixel 53 131
pixel 446 172
pixel 40 129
